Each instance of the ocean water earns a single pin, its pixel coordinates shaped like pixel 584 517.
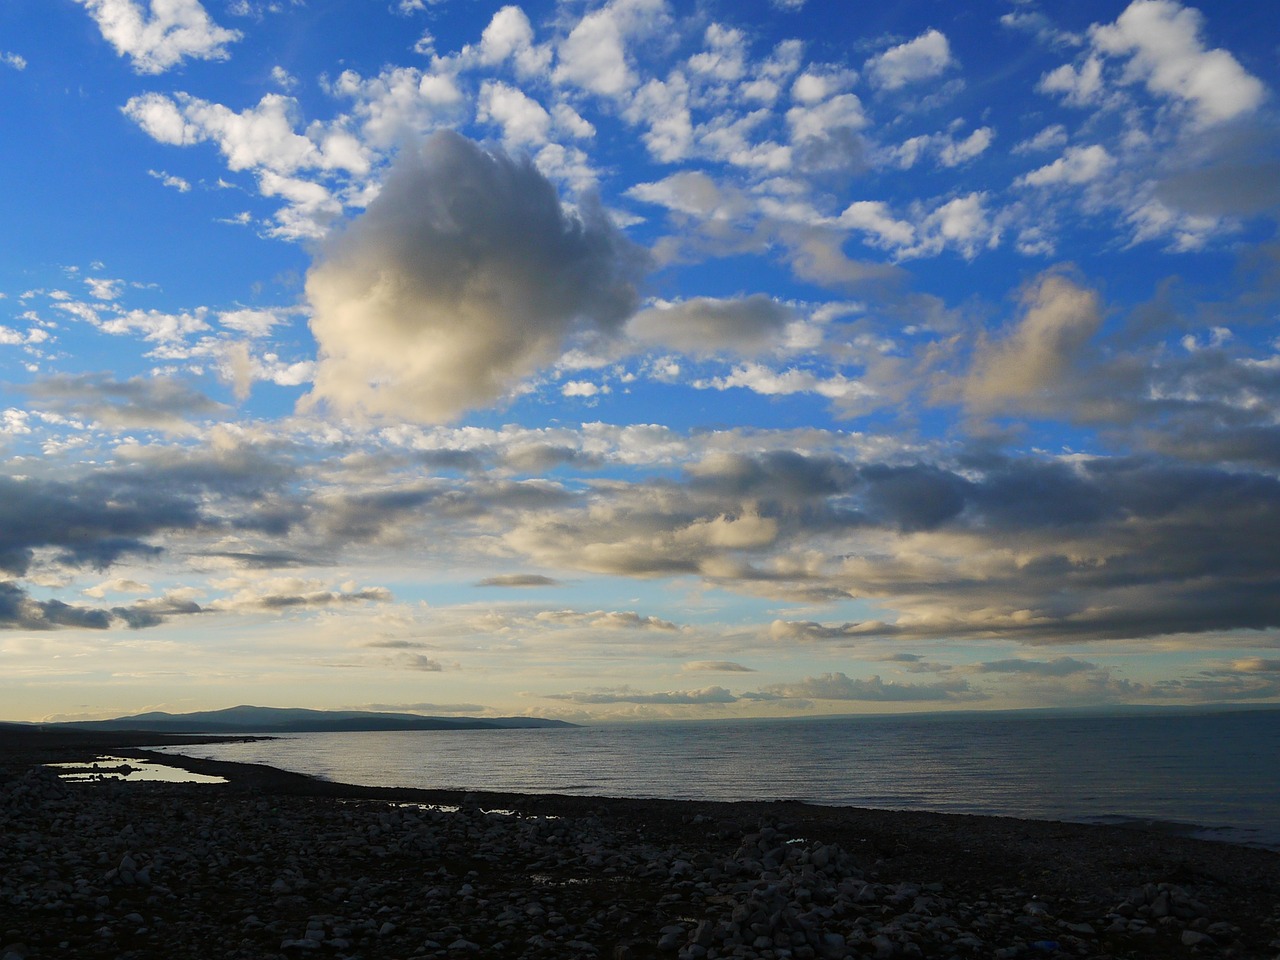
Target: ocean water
pixel 1215 775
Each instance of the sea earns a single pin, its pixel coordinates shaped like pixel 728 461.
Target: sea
pixel 1209 775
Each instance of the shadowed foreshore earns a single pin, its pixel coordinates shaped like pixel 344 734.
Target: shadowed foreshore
pixel 276 864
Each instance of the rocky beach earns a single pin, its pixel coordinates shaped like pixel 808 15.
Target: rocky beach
pixel 273 864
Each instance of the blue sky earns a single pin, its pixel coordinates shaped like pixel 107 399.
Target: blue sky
pixel 637 359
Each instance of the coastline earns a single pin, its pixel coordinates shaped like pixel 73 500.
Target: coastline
pixel 927 880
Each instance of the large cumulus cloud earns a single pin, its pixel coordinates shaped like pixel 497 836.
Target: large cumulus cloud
pixel 465 275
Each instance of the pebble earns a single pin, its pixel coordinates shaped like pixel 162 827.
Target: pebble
pixel 261 877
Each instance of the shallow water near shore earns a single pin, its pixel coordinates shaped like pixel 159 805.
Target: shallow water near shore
pixel 1209 775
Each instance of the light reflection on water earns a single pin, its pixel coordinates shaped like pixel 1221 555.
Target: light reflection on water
pixel 1215 770
pixel 130 769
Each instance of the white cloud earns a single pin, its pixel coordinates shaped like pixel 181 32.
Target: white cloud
pixel 663 106
pixel 569 121
pixel 1077 165
pixel 310 207
pixel 955 152
pixel 156 326
pixel 524 121
pixel 1050 138
pixel 1079 86
pixel 594 55
pixel 509 35
pixel 261 136
pixel 1034 22
pixel 169 180
pixel 874 217
pixel 778 383
pixel 961 224
pixel 582 388
pixel 464 276
pixel 399 103
pixel 174 30
pixel 161 119
pixel 283 78
pixel 1162 39
pixel 812 87
pixel 104 289
pixel 948 151
pixel 1152 220
pixel 927 56
pixel 262 139
pixel 13 60
pixel 253 323
pixel 818 121
pixel 725 57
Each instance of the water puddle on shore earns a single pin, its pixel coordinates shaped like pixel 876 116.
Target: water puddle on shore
pixel 454 808
pixel 127 768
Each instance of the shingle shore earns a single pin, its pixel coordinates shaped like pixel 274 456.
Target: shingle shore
pixel 277 865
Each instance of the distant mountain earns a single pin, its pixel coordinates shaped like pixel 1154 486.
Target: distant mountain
pixel 247 719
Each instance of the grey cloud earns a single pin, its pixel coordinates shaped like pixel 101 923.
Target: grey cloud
pixel 810 631
pixel 715 666
pixel 265 559
pixel 152 403
pixel 1028 366
pixel 606 620
pixel 419 662
pixel 1205 439
pixel 153 613
pixel 463 276
pixel 1216 689
pixel 318 598
pixel 1256 665
pixel 708 695
pixel 388 513
pixel 781 474
pixel 1027 494
pixel 706 326
pixel 518 580
pixel 1231 172
pixel 429 708
pixel 463 461
pixel 19 611
pixel 1057 667
pixel 838 686
pixel 1025 547
pixel 1226 190
pixel 916 497
pixel 542 457
pixel 818 255
pixel 91 523
pixel 225 468
pixel 914 663
pixel 366 516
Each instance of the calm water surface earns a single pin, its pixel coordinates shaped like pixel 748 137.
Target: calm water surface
pixel 1218 772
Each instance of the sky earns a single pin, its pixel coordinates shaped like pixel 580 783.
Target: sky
pixel 639 359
